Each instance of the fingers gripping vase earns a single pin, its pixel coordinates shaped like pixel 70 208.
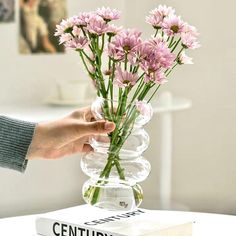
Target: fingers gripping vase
pixel 117 166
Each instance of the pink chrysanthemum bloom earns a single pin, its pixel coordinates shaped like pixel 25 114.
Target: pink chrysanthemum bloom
pixel 144 109
pixel 114 52
pixel 77 43
pixel 60 29
pixel 127 39
pixel 65 38
pixel 66 26
pixel 163 11
pixel 147 57
pixel 96 25
pixel 140 53
pixel 113 30
pixel 108 14
pixel 158 14
pixel 124 78
pixel 163 55
pixel 76 31
pixel 63 27
pixel 173 25
pixel 184 59
pixel 155 21
pixel 189 41
pixel 189 29
pixel 83 18
pixel 157 77
pixel 124 42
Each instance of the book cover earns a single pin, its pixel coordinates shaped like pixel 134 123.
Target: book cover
pixel 89 221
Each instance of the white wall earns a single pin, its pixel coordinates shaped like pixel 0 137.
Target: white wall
pixel 204 155
pixel 204 165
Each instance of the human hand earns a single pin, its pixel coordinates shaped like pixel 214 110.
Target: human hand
pixel 67 136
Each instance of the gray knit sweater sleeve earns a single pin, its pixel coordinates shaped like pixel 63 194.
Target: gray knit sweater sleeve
pixel 15 139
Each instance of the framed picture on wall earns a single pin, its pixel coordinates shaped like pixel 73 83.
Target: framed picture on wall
pixel 7 10
pixel 38 20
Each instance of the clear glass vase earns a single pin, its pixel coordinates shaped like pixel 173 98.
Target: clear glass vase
pixel 117 166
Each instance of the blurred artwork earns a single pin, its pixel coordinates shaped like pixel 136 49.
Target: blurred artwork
pixel 38 20
pixel 7 10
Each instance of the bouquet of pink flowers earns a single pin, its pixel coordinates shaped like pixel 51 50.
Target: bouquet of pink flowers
pixel 126 68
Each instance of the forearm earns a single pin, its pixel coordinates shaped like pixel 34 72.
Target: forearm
pixel 15 139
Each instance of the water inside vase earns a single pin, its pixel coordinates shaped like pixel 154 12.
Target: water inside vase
pixel 113 196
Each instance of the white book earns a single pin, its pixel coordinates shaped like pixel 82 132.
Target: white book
pixel 90 221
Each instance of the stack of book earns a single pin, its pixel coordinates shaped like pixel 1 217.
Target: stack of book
pixel 85 220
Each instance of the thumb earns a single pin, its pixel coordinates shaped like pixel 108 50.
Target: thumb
pixel 96 127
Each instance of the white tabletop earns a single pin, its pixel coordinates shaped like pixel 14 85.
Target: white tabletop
pixel 205 224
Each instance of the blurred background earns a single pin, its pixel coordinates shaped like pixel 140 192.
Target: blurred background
pixel 203 160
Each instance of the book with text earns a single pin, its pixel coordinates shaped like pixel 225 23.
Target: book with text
pixel 89 221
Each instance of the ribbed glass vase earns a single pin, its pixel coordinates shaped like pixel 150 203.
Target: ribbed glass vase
pixel 117 166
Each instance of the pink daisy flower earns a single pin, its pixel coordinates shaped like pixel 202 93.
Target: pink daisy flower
pixel 157 77
pixel 163 55
pixel 189 29
pixel 173 25
pixel 155 21
pixel 108 14
pixel 140 53
pixel 124 78
pixel 158 14
pixel 59 30
pixel 163 11
pixel 189 41
pixel 124 42
pixel 66 26
pixel 63 27
pixel 184 59
pixel 96 25
pixel 113 30
pixel 76 31
pixel 65 38
pixel 116 53
pixel 83 18
pixel 77 43
pixel 127 39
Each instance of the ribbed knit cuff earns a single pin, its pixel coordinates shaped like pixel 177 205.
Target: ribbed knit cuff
pixel 15 139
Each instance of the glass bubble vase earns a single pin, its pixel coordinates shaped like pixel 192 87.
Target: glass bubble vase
pixel 116 167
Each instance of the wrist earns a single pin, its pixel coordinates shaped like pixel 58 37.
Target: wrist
pixel 35 149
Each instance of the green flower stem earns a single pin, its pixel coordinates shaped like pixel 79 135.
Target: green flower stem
pixel 89 59
pixel 168 73
pixel 103 38
pixel 135 69
pixel 120 170
pixel 83 60
pixel 175 45
pixel 154 93
pixel 111 78
pixel 179 53
pixel 137 195
pixel 126 61
pixel 171 42
pixel 140 87
pixel 113 159
pixel 156 32
pixel 144 92
pixel 119 116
